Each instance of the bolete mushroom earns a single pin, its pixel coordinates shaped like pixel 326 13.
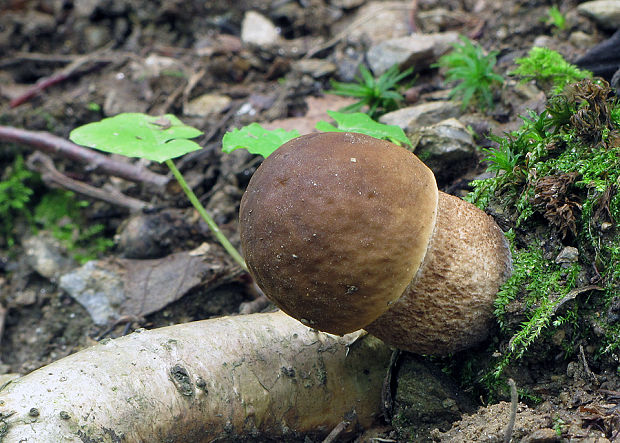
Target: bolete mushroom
pixel 344 231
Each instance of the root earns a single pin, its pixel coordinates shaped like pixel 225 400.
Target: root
pixel 259 376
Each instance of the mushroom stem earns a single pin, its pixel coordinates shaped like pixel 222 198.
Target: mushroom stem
pixel 448 306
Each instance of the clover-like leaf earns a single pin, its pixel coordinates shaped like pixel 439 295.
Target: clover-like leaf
pixel 156 138
pixel 256 139
pixel 362 123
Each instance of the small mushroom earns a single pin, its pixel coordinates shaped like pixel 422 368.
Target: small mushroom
pixel 344 231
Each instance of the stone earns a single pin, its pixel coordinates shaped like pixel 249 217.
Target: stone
pixel 581 40
pixel 154 66
pixel 417 50
pixel 207 105
pixel 424 114
pixel 569 254
pixel 544 435
pixel 376 21
pixel 96 36
pixel 258 30
pixel 426 398
pixel 604 12
pixel 447 148
pixel 438 19
pixel 347 4
pixel 46 256
pixel 314 67
pixel 96 288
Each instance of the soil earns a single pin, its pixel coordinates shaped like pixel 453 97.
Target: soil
pixel 40 323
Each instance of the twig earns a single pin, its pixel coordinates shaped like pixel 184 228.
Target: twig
pixel 256 305
pixel 591 375
pixel 74 69
pixel 19 57
pixel 44 165
pixel 413 27
pixel 333 435
pixel 3 311
pixel 44 141
pixel 514 401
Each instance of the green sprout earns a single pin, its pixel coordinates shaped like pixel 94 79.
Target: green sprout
pixel 556 18
pixel 378 95
pixel 469 66
pixel 158 139
pixel 258 140
pixel 549 69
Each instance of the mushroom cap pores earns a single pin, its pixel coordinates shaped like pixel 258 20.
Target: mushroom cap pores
pixel 335 225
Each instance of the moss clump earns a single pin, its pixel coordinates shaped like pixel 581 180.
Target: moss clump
pixel 549 69
pixel 15 193
pixel 56 211
pixel 557 181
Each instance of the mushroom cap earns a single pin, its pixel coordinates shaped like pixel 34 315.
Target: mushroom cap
pixel 335 225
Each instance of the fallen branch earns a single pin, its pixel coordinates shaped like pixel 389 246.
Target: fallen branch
pixel 44 165
pixel 46 142
pixel 260 376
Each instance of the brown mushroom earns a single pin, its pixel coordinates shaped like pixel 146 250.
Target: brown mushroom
pixel 344 231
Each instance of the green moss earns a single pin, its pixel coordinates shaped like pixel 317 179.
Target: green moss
pixel 557 183
pixel 56 211
pixel 15 194
pixel 549 68
pixel 542 286
pixel 62 214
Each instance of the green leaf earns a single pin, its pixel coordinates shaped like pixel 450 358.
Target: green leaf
pixel 363 124
pixel 139 135
pixel 256 139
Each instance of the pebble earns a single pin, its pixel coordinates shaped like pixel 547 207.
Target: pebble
pixel 438 19
pixel 446 147
pixel 314 67
pixel 376 22
pixel 207 105
pixel 604 12
pixel 97 289
pixel 46 256
pixel 347 4
pixel 545 435
pixel 424 114
pixel 569 254
pixel 258 30
pixel 581 40
pixel 417 50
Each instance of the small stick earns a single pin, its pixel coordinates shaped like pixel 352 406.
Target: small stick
pixel 46 142
pixel 413 27
pixel 44 165
pixel 256 305
pixel 3 312
pixel 591 375
pixel 19 57
pixel 339 429
pixel 73 70
pixel 514 401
